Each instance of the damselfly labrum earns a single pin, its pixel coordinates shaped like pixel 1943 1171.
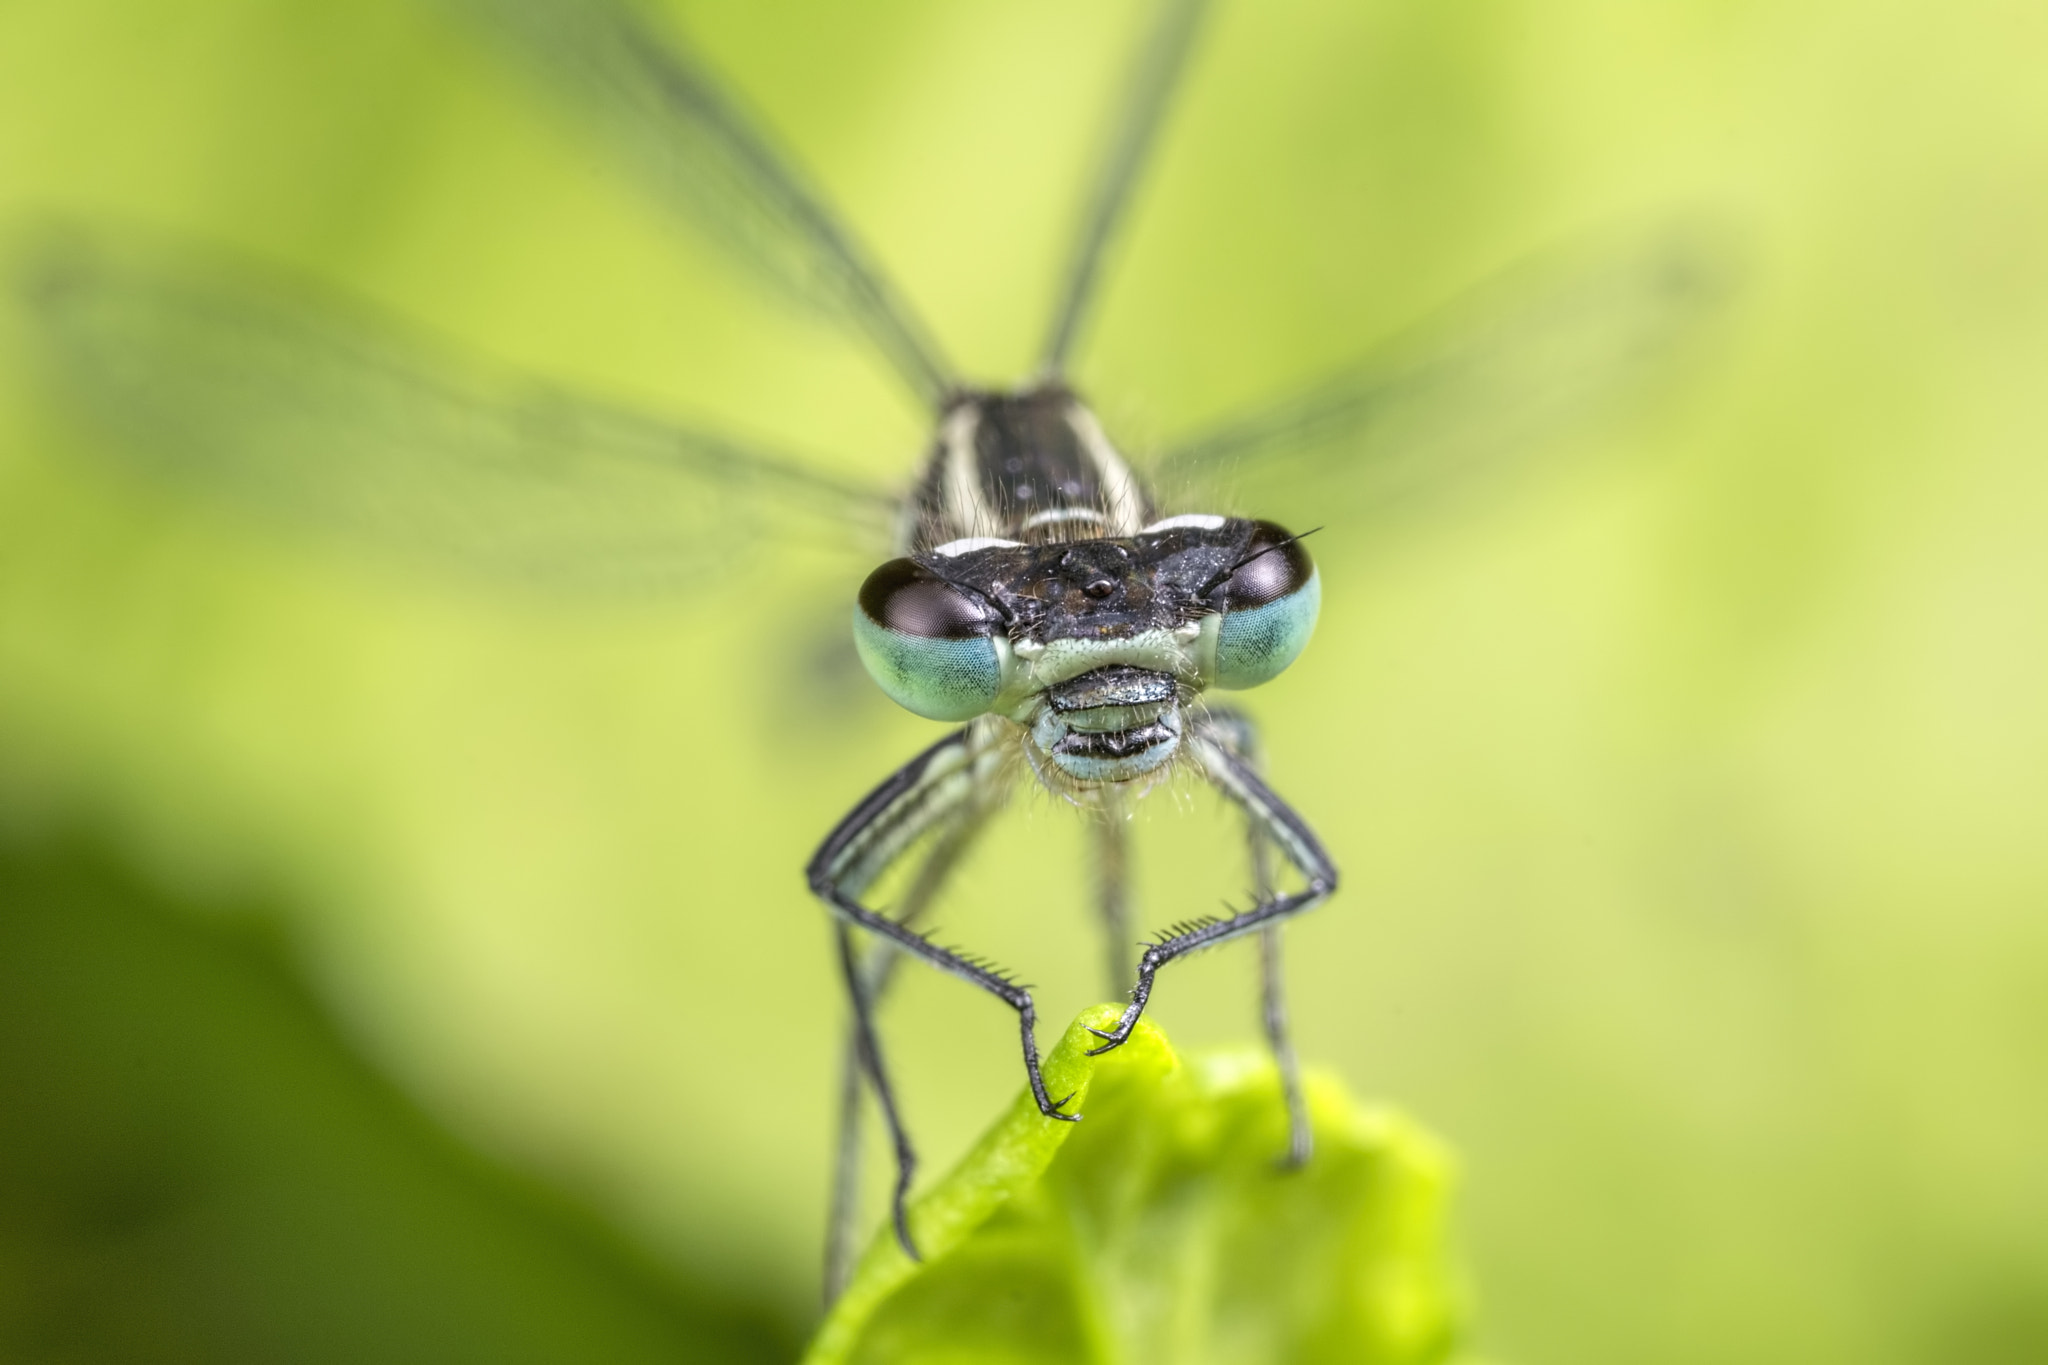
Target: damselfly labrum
pixel 1041 599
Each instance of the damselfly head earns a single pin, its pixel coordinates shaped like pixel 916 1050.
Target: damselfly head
pixel 1095 647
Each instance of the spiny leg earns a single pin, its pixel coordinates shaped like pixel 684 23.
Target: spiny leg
pixel 1216 744
pixel 988 978
pixel 1239 730
pixel 843 1219
pixel 1112 891
pixel 958 771
pixel 1301 1139
pixel 869 1056
pixel 876 968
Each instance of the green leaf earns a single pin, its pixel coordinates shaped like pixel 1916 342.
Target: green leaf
pixel 1162 1229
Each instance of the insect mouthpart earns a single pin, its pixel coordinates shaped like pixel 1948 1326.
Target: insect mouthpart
pixel 1111 724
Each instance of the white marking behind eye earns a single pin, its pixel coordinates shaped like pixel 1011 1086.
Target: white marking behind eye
pixel 965 505
pixel 1194 521
pixel 1121 497
pixel 1055 514
pixel 969 544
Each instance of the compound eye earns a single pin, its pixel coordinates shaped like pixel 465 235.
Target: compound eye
pixel 1274 565
pixel 932 647
pixel 1269 606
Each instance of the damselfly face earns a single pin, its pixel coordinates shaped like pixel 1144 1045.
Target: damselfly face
pixel 1093 645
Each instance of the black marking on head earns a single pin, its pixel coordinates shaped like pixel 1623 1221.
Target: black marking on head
pixel 1154 580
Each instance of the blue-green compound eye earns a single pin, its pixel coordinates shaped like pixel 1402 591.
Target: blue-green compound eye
pixel 929 645
pixel 1269 610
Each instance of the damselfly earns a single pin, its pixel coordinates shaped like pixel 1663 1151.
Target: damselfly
pixel 1041 598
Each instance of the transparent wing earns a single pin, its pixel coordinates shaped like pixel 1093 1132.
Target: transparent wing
pixel 238 382
pixel 1156 73
pixel 696 148
pixel 1474 392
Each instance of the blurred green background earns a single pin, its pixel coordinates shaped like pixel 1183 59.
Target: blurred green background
pixel 397 968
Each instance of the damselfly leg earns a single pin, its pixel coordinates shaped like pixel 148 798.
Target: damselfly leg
pixel 1215 746
pixel 867 978
pixel 938 786
pixel 1241 732
pixel 1111 840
